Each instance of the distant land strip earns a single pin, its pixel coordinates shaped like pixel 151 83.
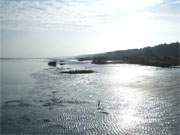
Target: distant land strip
pixel 163 55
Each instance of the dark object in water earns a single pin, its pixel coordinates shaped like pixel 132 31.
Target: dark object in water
pixel 98 104
pixel 104 112
pixel 78 71
pixel 62 63
pixel 99 107
pixel 52 63
pixel 46 120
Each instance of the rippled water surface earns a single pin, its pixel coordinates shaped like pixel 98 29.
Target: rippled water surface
pixel 117 99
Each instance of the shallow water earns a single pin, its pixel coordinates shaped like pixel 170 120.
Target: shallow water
pixel 133 99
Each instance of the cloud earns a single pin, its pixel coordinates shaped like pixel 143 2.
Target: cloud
pixel 49 13
pixel 91 25
pixel 67 14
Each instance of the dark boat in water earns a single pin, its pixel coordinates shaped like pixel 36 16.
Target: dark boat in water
pixel 62 63
pixel 52 63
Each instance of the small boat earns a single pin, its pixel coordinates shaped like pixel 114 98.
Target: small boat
pixel 52 63
pixel 62 63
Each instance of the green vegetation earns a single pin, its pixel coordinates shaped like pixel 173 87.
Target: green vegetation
pixel 163 55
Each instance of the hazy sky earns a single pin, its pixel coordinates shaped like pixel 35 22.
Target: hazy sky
pixel 48 28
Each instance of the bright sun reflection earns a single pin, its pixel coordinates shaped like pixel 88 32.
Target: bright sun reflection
pixel 130 98
pixel 129 115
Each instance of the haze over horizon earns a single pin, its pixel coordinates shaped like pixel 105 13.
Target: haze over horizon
pixel 54 28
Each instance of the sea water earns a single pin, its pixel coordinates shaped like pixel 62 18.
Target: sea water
pixel 117 99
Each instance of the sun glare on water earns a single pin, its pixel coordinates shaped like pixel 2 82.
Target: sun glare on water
pixel 131 98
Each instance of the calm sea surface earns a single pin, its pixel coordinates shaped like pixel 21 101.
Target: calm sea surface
pixel 117 99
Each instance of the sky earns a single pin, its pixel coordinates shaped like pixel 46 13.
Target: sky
pixel 55 28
